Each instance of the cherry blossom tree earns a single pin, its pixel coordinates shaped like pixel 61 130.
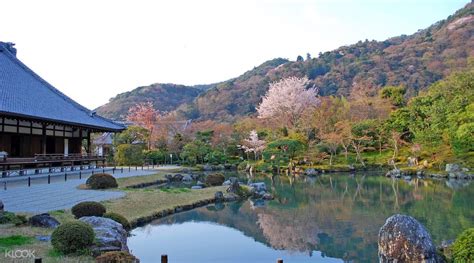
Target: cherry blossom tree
pixel 286 100
pixel 253 144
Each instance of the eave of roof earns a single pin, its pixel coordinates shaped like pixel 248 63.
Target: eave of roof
pixel 80 116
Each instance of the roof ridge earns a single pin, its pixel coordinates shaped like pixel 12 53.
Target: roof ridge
pixel 15 60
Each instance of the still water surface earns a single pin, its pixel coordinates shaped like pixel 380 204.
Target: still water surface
pixel 330 218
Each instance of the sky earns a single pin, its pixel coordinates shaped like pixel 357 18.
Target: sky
pixel 91 50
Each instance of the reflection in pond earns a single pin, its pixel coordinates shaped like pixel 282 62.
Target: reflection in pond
pixel 338 215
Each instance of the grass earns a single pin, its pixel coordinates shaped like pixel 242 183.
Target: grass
pixel 15 240
pixel 143 202
pixel 134 180
pixel 24 237
pixel 175 190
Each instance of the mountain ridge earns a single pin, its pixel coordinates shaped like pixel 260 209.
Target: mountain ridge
pixel 414 61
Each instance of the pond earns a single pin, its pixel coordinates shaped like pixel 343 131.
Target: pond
pixel 329 218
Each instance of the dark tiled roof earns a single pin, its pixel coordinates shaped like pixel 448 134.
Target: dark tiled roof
pixel 23 93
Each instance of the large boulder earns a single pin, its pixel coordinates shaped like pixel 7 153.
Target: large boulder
pixel 403 239
pixel 109 234
pixel 43 220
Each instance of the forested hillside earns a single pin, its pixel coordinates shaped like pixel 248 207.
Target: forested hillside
pixel 414 62
pixel 165 97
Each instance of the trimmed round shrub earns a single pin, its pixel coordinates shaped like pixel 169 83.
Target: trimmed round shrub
pixel 89 208
pixel 215 179
pixel 463 247
pixel 101 181
pixel 72 237
pixel 116 257
pixel 119 219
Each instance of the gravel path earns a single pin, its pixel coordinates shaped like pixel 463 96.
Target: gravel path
pixel 42 197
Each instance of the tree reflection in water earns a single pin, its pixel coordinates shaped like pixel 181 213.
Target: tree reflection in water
pixel 340 215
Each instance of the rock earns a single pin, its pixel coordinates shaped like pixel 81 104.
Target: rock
pixel 453 168
pixel 403 239
pixel 196 187
pixel 420 173
pixel 407 178
pixel 257 203
pixel 178 177
pixel 219 196
pixel 187 178
pixel 207 167
pixel 267 196
pixel 199 183
pixel 195 176
pixel 226 182
pixel 394 173
pixel 109 235
pixel 1 206
pixel 43 220
pixel 43 238
pixel 311 172
pixel 231 197
pixel 259 186
pixel 234 185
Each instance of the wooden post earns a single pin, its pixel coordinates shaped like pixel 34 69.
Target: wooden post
pixel 164 258
pixel 89 150
pixel 44 139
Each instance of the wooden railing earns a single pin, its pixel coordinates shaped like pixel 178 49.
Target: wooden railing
pixel 72 156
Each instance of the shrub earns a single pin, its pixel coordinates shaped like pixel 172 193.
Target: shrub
pixel 215 179
pixel 129 154
pixel 119 219
pixel 11 218
pixel 101 181
pixel 72 237
pixel 155 156
pixel 88 209
pixel 116 257
pixel 463 247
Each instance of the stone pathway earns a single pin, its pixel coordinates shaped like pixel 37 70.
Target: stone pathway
pixel 60 194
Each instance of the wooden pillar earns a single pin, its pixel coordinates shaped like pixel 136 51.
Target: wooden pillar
pixel 44 139
pixel 89 142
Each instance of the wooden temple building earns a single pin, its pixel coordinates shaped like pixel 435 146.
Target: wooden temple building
pixel 40 126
